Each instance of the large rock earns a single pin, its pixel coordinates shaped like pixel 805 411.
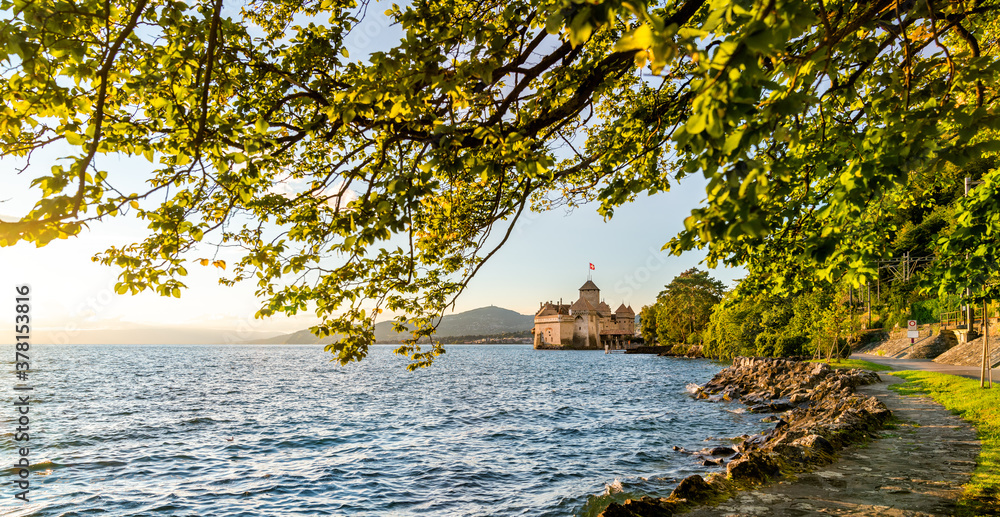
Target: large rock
pixel 645 507
pixel 693 489
pixel 773 382
pixel 754 467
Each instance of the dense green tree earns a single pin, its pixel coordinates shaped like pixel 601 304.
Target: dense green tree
pixel 683 307
pixel 647 322
pixel 733 327
pixel 753 323
pixel 814 122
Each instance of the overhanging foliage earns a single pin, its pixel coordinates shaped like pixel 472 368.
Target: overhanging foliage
pixel 813 122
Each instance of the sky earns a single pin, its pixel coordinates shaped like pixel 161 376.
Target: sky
pixel 546 258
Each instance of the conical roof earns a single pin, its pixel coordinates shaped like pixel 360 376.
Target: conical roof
pixel 582 305
pixel 625 310
pixel 589 285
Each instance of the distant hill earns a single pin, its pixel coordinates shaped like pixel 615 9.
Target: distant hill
pixel 481 321
pixel 484 321
pixel 301 337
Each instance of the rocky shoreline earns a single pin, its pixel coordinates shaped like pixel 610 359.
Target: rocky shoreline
pixel 821 413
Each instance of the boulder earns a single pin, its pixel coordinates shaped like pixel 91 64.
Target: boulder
pixel 753 467
pixel 799 396
pixel 772 406
pixel 693 489
pixel 720 451
pixel 815 445
pixel 645 507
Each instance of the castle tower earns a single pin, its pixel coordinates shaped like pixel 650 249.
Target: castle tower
pixel 590 292
pixel 626 319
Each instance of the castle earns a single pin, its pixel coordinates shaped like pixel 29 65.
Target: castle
pixel 586 323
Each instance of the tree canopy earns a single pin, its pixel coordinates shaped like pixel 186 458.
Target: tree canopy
pixel 812 121
pixel 682 309
pixel 818 323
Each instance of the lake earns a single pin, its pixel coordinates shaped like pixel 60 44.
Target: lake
pixel 499 430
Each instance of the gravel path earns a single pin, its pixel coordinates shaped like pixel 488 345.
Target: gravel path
pixel 916 469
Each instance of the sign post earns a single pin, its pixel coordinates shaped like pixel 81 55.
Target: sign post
pixel 911 330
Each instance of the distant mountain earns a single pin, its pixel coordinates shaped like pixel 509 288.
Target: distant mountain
pixel 483 321
pixel 301 337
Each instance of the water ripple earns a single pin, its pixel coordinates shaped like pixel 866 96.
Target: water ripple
pixel 279 430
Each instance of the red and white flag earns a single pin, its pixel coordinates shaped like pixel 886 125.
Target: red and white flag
pixel 592 266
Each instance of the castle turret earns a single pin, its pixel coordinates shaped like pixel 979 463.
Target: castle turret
pixel 625 312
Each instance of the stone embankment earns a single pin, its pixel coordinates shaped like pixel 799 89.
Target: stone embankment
pixel 898 346
pixel 945 347
pixel 971 353
pixel 822 413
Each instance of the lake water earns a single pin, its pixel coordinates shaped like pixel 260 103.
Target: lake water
pixel 280 430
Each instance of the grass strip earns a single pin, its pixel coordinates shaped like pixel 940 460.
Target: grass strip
pixel 981 408
pixel 854 363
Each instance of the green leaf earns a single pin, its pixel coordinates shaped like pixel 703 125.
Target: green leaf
pixel 639 38
pixel 553 24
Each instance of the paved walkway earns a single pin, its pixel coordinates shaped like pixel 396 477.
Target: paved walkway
pixel 971 372
pixel 917 469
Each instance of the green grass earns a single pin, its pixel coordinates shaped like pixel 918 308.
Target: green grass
pixel 979 407
pixel 854 363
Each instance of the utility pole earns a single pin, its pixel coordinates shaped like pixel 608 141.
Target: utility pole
pixel 970 317
pixel 869 286
pixel 968 289
pixel 986 349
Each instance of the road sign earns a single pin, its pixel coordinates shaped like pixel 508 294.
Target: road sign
pixel 911 325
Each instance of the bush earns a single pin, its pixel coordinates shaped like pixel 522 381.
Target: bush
pixel 679 349
pixel 926 311
pixel 764 345
pixel 787 346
